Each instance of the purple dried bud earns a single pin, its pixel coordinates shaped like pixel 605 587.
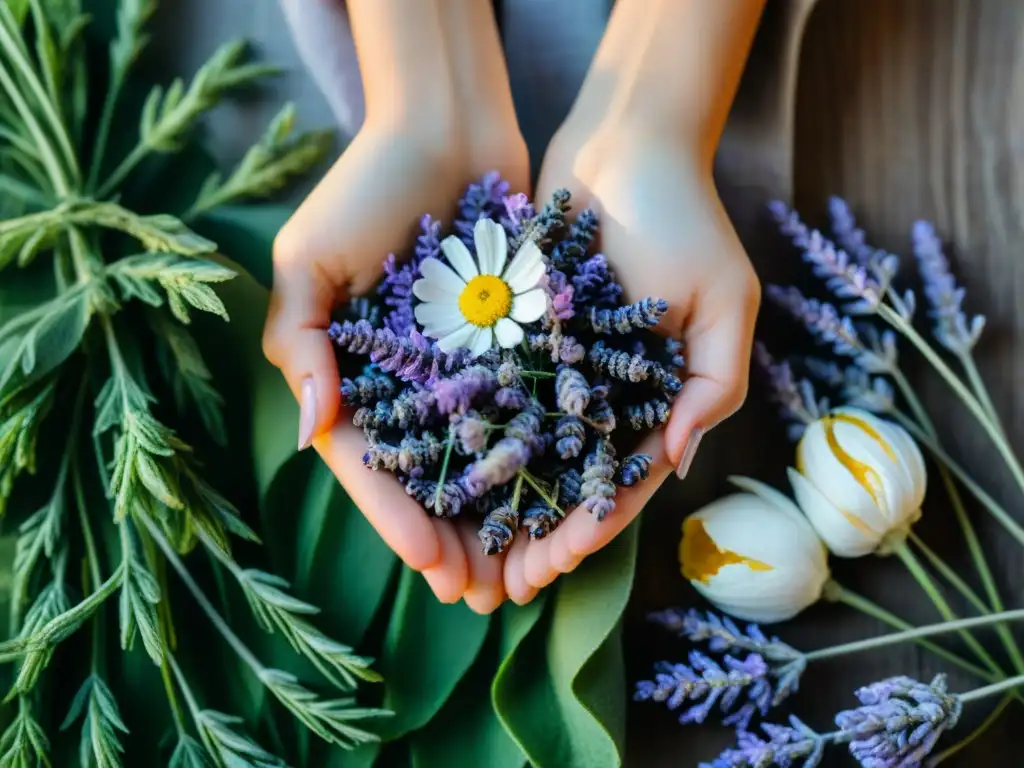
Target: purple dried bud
pixel 539 520
pixel 649 414
pixel 457 393
pixel 560 290
pixel 448 503
pixel 367 389
pixel 471 431
pixel 643 314
pixel 598 487
pixel 594 285
pixel 498 529
pixel 570 489
pixel 410 454
pixel 674 350
pixel 572 390
pixel 518 209
pixel 498 466
pixel 526 427
pixel 635 468
pixel 563 349
pixel 618 364
pixel 410 358
pixel 550 219
pixel 508 373
pixel 512 398
pixel 570 433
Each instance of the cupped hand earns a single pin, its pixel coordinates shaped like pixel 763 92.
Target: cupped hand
pixel 665 232
pixel 333 248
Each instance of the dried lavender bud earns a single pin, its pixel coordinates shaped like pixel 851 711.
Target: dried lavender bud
pixel 498 529
pixel 412 453
pixel 601 416
pixel 572 390
pixel 563 349
pixel 674 350
pixel 471 432
pixel 411 358
pixel 560 291
pixel 633 368
pixel 635 468
pixel 497 466
pixel 569 251
pixel 598 489
pixel 513 398
pixel 449 503
pixel 539 520
pixel 646 313
pixel 413 406
pixel 508 373
pixel 456 394
pixel 594 285
pixel 648 415
pixel 360 308
pixel 526 427
pixel 550 219
pixel 367 389
pixel 570 433
pixel 570 488
pixel 482 200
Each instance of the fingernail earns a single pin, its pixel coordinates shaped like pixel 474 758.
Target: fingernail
pixel 689 451
pixel 307 414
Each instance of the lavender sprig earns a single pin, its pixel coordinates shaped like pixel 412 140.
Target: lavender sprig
pixel 953 329
pixel 785 746
pixel 798 403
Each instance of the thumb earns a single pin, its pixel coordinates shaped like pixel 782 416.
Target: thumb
pixel 295 340
pixel 718 344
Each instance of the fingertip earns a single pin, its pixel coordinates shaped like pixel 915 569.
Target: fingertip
pixel 485 589
pixel 537 568
pixel 484 602
pixel 448 579
pixel 516 586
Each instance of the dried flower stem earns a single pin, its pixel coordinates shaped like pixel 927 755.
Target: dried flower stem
pixel 840 594
pixel 976 408
pixel 449 445
pixel 545 496
pixel 992 688
pixel 913 565
pixel 980 390
pixel 963 519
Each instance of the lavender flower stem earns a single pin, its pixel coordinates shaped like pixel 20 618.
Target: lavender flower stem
pixel 538 374
pixel 977 552
pixel 931 630
pixel 890 315
pixel 993 507
pixel 840 594
pixel 545 496
pixel 950 575
pixel 449 445
pixel 989 721
pixel 992 688
pixel 913 565
pixel 980 390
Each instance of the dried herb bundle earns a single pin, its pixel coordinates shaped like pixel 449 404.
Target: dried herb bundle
pixel 93 285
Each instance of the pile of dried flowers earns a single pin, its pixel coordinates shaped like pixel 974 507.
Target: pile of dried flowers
pixel 494 385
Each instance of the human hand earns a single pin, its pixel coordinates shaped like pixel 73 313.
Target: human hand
pixel 664 230
pixel 332 248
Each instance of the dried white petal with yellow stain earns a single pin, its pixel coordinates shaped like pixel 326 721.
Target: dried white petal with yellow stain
pixel 860 480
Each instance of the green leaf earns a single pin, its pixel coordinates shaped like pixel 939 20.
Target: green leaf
pixel 186 282
pixel 19 8
pixel 160 233
pixel 427 649
pixel 38 341
pixel 561 694
pixel 336 546
pixel 468 730
pixel 245 234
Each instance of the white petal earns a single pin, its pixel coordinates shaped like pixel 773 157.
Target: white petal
pixel 458 256
pixel 509 333
pixel 438 318
pixel 745 524
pixel 481 342
pixel 523 267
pixel 491 246
pixel 841 534
pixel 530 306
pixel 458 339
pixel 437 278
pixel 807 538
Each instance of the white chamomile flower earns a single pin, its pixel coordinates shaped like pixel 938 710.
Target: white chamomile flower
pixel 474 302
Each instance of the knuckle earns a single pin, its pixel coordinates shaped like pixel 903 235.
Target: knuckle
pixel 289 244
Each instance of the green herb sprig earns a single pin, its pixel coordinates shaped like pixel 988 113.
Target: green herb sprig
pixel 80 403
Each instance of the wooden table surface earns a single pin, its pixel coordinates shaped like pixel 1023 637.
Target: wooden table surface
pixel 909 109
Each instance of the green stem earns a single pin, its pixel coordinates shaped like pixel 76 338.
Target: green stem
pixel 103 133
pixel 991 505
pixel 916 633
pixel 186 691
pixel 992 688
pixel 851 599
pixel 538 374
pixel 532 482
pixel 200 597
pixel 980 390
pixel 890 316
pixel 92 556
pixel 449 445
pixel 120 173
pixel 19 56
pixel 909 559
pixel 950 575
pixel 974 547
pixel 46 151
pixel 973 735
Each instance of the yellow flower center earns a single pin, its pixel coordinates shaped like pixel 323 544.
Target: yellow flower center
pixel 485 300
pixel 701 558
